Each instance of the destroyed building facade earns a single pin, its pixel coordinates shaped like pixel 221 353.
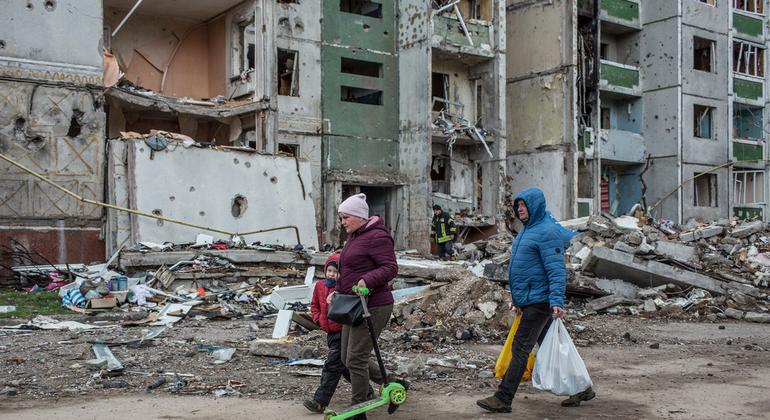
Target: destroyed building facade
pixel 630 99
pixel 401 100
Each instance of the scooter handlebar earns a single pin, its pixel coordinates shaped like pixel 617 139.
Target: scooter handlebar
pixel 363 291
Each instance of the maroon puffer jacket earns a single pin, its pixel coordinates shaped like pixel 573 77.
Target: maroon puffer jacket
pixel 369 254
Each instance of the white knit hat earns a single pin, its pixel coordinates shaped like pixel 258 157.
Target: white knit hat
pixel 355 205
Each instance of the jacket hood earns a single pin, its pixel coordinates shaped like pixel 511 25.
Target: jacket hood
pixel 333 259
pixel 374 223
pixel 535 201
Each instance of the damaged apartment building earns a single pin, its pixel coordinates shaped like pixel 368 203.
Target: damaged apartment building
pixel 658 102
pixel 253 118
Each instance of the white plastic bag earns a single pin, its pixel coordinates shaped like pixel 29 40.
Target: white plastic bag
pixel 558 366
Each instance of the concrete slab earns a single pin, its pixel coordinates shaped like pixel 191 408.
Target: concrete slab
pixel 676 251
pixel 607 302
pixel 748 229
pixel 282 348
pixel 605 262
pixel 702 233
pixel 230 190
pixel 282 323
pixel 757 317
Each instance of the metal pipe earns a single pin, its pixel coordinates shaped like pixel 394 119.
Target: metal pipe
pixel 462 25
pixel 295 228
pixel 446 7
pixel 130 12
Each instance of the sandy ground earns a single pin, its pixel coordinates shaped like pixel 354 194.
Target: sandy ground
pixel 695 374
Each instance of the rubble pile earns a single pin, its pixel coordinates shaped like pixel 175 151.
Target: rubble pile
pixel 471 306
pixel 696 271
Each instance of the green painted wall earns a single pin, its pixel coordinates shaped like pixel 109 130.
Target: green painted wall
pixel 343 28
pixel 361 137
pixel 358 154
pixel 747 25
pixel 747 152
pixel 621 9
pixel 747 213
pixel 354 119
pixel 620 76
pixel 449 28
pixel 747 89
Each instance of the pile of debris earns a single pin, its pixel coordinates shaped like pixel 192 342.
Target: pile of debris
pixel 706 271
pixel 468 307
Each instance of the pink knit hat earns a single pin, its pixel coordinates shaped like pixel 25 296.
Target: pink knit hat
pixel 355 205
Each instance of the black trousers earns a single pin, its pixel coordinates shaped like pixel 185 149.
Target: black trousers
pixel 535 321
pixel 333 369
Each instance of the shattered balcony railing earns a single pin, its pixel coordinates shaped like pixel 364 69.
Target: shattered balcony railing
pixel 620 78
pixel 622 146
pixel 449 34
pixel 621 13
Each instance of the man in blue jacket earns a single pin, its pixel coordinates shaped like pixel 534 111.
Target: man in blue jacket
pixel 537 277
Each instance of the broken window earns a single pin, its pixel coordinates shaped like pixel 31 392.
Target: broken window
pixel 361 95
pixel 747 122
pixel 476 9
pixel 749 187
pixel 248 47
pixel 479 104
pixel 705 190
pixel 752 6
pixel 361 7
pixel 748 59
pixel 360 67
pixel 703 54
pixel 439 90
pixel 439 174
pixel 288 72
pixel 709 2
pixel 479 188
pixel 703 121
pixel 289 149
pixel 605 124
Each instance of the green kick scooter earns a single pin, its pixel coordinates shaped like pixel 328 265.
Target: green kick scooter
pixel 392 394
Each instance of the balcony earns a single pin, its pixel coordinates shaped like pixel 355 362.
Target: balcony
pixel 620 16
pixel 620 79
pixel 622 146
pixel 448 36
pixel 747 151
pixel 749 89
pixel 747 25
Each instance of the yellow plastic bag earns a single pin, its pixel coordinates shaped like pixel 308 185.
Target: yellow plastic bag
pixel 504 359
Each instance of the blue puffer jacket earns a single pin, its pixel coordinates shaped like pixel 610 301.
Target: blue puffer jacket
pixel 537 273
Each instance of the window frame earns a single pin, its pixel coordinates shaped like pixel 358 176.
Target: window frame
pixel 753 49
pixel 713 189
pixel 712 47
pixel 739 193
pixel 757 4
pixel 696 132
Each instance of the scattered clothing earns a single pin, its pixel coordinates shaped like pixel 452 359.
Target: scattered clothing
pixel 73 297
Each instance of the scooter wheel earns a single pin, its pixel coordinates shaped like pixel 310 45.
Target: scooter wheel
pixel 398 396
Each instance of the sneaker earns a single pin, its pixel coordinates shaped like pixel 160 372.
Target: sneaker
pixel 575 400
pixel 494 405
pixel 314 406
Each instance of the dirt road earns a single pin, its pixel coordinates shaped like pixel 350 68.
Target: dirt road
pixel 695 374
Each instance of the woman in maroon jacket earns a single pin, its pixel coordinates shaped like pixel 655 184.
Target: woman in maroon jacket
pixel 368 260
